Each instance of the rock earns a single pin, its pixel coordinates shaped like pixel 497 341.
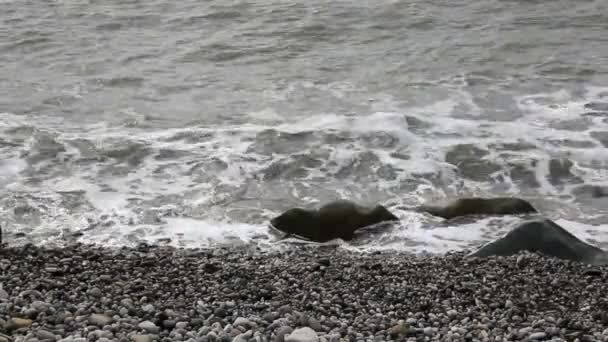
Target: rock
pixel 3 294
pixel 537 336
pixel 324 262
pixel 339 219
pixel 399 329
pixel 141 338
pixel 149 327
pixel 302 335
pixel 100 319
pixel 480 206
pixel 469 159
pixel 241 321
pixel 181 325
pixel 314 324
pixel 560 172
pixel 18 323
pixel 169 324
pixel 597 106
pixel 601 136
pixel 95 292
pixel 45 335
pixel 545 237
pixel 271 316
pixel 281 333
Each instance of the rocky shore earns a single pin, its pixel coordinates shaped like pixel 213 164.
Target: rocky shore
pixel 87 293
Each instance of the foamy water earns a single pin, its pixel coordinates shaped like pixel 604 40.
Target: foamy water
pixel 194 124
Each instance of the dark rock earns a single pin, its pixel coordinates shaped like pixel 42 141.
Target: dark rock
pixel 560 172
pixel 211 268
pixel 602 137
pixel 597 106
pixel 324 262
pixel 338 219
pixel 545 237
pixel 169 324
pixel 481 206
pixel 593 272
pixel 469 160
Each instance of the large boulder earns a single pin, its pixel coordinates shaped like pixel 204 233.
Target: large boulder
pixel 547 238
pixel 480 206
pixel 339 219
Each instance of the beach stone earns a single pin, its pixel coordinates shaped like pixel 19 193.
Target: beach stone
pixel 537 336
pixel 3 294
pixel 169 324
pixel 242 321
pixel 149 327
pixel 181 325
pixel 100 319
pixel 211 336
pixel 305 334
pixel 271 316
pixel 141 338
pixel 282 332
pixel 45 335
pixel 314 324
pixel 18 323
pixel 95 292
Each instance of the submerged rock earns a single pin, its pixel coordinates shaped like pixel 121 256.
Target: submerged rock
pixel 470 161
pixel 339 219
pixel 481 206
pixel 545 237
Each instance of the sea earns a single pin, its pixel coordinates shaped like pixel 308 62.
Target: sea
pixel 192 123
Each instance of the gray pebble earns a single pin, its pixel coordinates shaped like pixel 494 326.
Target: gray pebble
pixel 149 327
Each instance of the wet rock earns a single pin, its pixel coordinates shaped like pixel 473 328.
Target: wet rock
pixel 560 172
pixel 470 161
pixel 524 175
pixel 480 206
pixel 545 237
pixel 593 191
pixel 295 166
pixel 339 219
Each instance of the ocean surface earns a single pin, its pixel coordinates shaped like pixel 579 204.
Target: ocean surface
pixel 192 123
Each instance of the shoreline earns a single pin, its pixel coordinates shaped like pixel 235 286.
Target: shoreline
pixel 156 293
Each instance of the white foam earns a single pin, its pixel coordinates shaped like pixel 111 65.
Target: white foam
pixel 204 199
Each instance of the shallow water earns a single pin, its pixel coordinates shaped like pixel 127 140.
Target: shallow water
pixel 125 121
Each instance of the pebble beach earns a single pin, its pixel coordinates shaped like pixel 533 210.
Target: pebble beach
pixel 148 293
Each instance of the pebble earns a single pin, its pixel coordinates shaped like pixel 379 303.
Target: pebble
pixel 439 298
pixel 302 335
pixel 18 323
pixel 141 338
pixel 45 335
pixel 100 319
pixel 149 327
pixel 537 336
pixel 282 332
